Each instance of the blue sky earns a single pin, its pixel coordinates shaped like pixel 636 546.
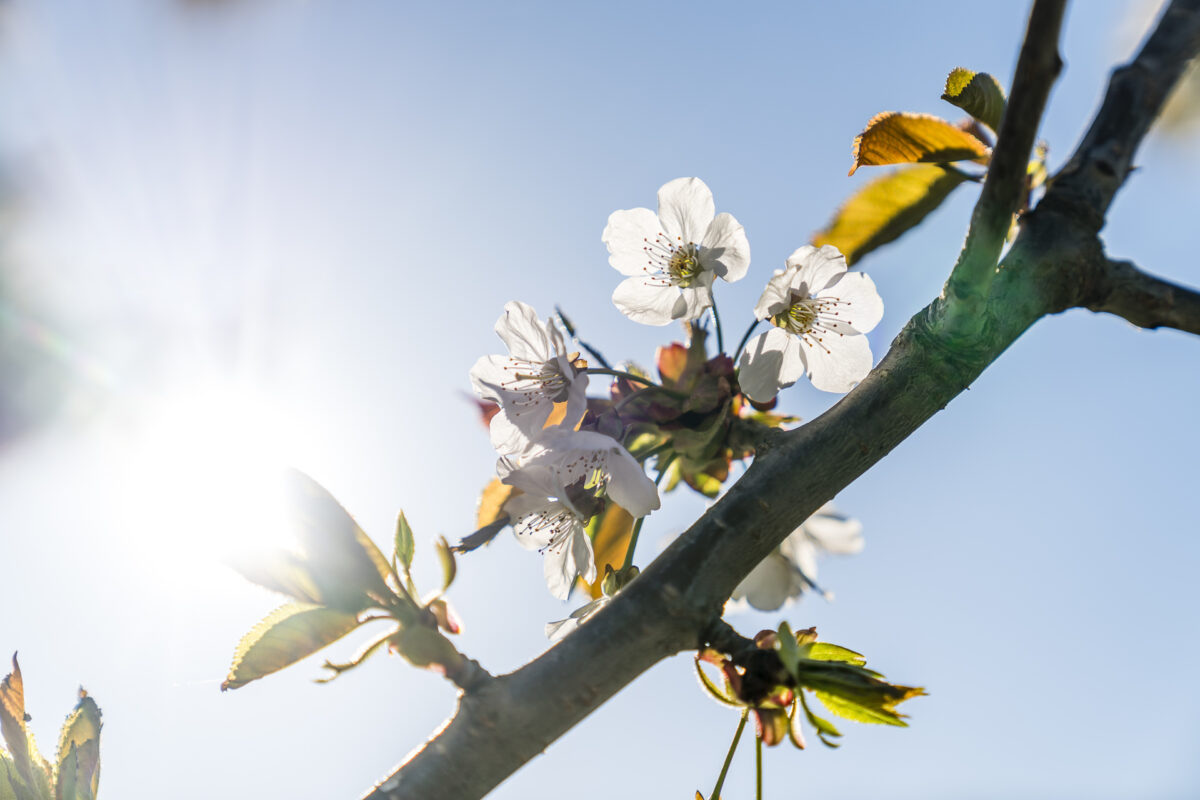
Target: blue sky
pixel 282 232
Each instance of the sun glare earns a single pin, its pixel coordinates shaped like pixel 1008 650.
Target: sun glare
pixel 203 479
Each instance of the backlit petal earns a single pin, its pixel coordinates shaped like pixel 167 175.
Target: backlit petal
pixel 685 209
pixel 647 301
pixel 726 251
pixel 626 235
pixel 859 302
pixel 839 362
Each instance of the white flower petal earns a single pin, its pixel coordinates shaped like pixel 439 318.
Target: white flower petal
pixel 576 401
pixel 523 334
pixel 818 267
pixel 835 535
pixel 536 478
pixel 770 584
pixel 487 376
pixel 647 301
pixel 557 630
pixel 839 362
pixel 626 235
pixel 693 301
pixel 509 439
pixel 725 249
pixel 770 362
pixel 561 564
pixel 859 302
pixel 799 549
pixel 628 485
pixel 777 295
pixel 685 209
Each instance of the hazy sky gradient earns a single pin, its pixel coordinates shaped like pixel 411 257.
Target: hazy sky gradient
pixel 285 230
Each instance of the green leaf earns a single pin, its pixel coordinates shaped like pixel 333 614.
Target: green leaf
pixel 701 444
pixel 886 208
pixel 288 634
pixel 824 651
pixel 12 721
pixel 854 692
pixel 78 761
pixel 446 556
pixel 978 94
pixel 8 778
pixel 858 712
pixel 822 726
pixel 280 571
pixel 789 651
pixel 702 482
pixel 68 784
pixel 405 546
pixel 896 137
pixel 348 569
pixel 28 774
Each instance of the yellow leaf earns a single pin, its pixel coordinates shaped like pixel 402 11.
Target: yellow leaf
pixel 491 502
pixel 895 137
pixel 610 542
pixel 79 751
pixel 977 93
pixel 887 207
pixel 33 770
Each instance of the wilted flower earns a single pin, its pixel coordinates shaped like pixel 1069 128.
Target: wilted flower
pixel 792 567
pixel 566 477
pixel 674 255
pixel 536 374
pixel 819 312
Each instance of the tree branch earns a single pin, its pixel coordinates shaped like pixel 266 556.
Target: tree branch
pixel 1085 187
pixel 671 607
pixel 1121 288
pixel 1037 68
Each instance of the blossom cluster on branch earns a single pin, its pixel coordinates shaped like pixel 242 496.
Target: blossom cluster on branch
pixel 569 463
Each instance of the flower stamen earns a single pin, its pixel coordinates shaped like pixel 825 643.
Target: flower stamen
pixel 673 263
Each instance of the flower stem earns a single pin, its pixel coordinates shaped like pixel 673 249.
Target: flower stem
pixel 757 768
pixel 716 792
pixel 637 526
pixel 745 338
pixel 717 325
pixel 629 376
pixel 591 351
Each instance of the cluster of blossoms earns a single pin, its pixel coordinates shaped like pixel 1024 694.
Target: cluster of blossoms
pixel 568 459
pixel 565 475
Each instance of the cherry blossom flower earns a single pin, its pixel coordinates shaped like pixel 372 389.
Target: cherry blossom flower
pixel 819 312
pixel 673 256
pixel 783 576
pixel 536 374
pixel 566 477
pixel 559 629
